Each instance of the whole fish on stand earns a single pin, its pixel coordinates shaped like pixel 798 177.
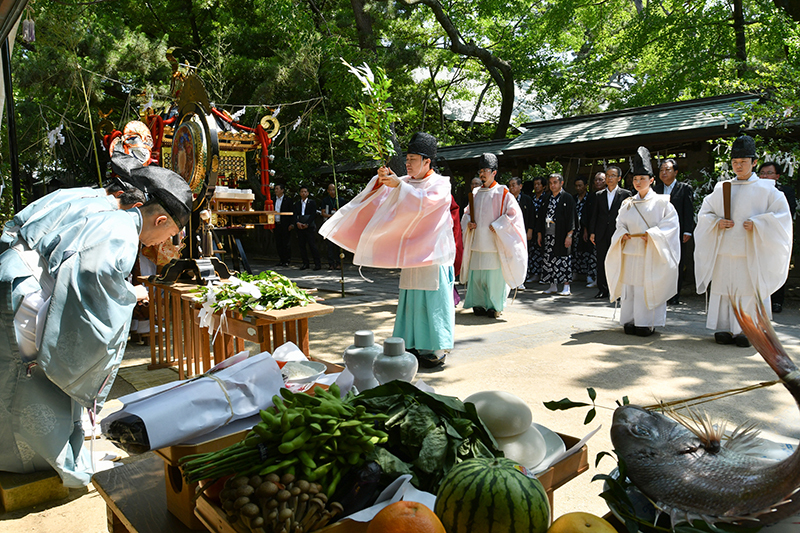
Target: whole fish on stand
pixel 689 473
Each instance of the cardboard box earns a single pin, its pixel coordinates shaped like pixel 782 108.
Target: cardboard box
pixel 180 495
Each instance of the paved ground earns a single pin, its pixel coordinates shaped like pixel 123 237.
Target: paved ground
pixel 542 348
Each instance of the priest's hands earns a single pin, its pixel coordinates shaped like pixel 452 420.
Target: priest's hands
pixel 726 224
pixel 387 177
pixel 141 293
pixel 748 225
pixel 471 225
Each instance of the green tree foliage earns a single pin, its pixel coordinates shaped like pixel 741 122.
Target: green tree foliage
pixel 562 56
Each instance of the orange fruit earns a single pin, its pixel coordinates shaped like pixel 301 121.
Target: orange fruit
pixel 405 517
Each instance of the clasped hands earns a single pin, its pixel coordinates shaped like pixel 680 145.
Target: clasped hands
pixel 387 177
pixel 727 224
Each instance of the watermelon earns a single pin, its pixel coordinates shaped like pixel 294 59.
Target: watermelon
pixel 492 496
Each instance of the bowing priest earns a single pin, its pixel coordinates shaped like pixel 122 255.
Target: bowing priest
pixel 495 243
pixel 642 261
pixel 405 222
pixel 65 310
pixel 743 245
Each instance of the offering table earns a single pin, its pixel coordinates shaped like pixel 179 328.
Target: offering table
pixel 176 338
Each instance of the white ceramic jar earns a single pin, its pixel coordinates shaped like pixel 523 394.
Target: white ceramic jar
pixel 395 362
pixel 359 357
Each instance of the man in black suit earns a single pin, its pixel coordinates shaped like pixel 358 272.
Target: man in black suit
pixel 772 171
pixel 604 223
pixel 305 215
pixel 681 196
pixel 283 223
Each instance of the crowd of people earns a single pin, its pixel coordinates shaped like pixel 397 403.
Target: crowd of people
pixel 637 247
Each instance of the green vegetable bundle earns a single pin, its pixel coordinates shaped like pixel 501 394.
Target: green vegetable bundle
pixel 316 437
pixel 428 433
pixel 262 292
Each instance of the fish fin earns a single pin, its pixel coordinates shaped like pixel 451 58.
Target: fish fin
pixel 763 337
pixel 743 438
pixel 700 425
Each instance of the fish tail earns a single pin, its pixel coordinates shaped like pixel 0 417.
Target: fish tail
pixel 765 340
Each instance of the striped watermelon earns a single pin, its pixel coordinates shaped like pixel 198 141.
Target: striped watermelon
pixel 492 496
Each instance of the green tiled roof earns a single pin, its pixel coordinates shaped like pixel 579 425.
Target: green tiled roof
pixel 715 112
pixel 461 152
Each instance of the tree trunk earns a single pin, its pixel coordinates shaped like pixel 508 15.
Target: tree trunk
pixel 790 7
pixel 499 70
pixel 741 45
pixel 366 38
pixel 478 104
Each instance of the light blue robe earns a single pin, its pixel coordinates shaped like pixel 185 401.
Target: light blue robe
pixel 82 344
pixel 60 200
pixel 426 320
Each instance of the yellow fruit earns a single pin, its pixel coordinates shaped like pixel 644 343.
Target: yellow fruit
pixel 581 523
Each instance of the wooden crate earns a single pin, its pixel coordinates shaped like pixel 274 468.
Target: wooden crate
pixel 216 520
pixel 180 494
pixel 554 477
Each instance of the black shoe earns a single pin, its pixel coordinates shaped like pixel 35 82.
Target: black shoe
pixel 491 313
pixel 674 301
pixel 630 329
pixel 777 308
pixel 413 351
pixel 279 264
pixel 645 331
pixel 304 267
pixel 480 311
pixel 318 267
pixel 741 340
pixel 430 360
pixel 723 337
pixel 600 295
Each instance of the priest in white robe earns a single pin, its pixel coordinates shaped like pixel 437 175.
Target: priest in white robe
pixel 744 243
pixel 495 244
pixel 404 222
pixel 642 262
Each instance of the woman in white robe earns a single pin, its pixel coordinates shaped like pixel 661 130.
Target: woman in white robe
pixel 642 262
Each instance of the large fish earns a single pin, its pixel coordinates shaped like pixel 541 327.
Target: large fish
pixel 690 475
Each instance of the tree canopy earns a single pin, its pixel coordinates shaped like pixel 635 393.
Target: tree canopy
pixel 495 62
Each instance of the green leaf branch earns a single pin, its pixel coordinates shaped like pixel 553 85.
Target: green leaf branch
pixel 565 403
pixel 372 120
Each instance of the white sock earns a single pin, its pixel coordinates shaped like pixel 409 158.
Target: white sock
pixel 566 287
pixel 553 287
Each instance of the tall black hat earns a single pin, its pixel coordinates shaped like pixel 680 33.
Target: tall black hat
pixel 122 164
pixel 488 161
pixel 169 188
pixel 641 163
pixel 744 146
pixel 423 144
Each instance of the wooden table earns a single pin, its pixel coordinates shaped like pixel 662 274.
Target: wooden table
pixel 268 329
pixel 176 338
pixel 135 497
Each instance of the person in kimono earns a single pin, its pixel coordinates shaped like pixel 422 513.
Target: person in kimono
pixel 556 227
pixel 65 310
pixel 495 243
pixel 743 244
pixel 643 259
pixel 405 222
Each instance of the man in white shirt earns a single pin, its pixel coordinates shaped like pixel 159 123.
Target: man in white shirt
pixel 283 224
pixel 604 223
